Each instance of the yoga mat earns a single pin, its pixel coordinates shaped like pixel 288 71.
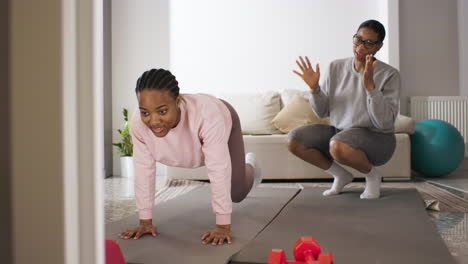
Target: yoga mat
pixel 389 230
pixel 182 220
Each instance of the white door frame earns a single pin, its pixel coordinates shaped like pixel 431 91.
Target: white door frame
pixel 83 129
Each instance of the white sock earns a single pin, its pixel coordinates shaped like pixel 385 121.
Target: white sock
pixel 373 180
pixel 250 159
pixel 342 178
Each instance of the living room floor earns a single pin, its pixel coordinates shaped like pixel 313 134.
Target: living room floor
pixel 456 180
pixel 453 227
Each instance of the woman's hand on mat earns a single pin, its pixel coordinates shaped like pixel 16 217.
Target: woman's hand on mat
pixel 218 236
pixel 368 73
pixel 310 77
pixel 145 227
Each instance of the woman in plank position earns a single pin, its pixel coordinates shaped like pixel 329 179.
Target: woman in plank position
pixel 361 96
pixel 188 130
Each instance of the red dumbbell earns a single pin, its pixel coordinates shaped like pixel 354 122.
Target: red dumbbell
pixel 306 251
pixel 114 253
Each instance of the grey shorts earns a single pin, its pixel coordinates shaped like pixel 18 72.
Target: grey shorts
pixel 379 147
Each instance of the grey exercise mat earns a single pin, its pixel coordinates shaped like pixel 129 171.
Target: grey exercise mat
pixel 392 229
pixel 182 220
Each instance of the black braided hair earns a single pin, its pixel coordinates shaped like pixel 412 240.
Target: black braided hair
pixel 376 26
pixel 158 79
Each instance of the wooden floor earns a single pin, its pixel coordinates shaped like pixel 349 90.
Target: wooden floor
pixel 457 179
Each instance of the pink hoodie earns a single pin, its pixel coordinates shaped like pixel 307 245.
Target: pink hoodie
pixel 200 138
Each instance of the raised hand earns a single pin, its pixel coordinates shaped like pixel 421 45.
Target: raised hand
pixel 145 227
pixel 310 77
pixel 217 236
pixel 368 73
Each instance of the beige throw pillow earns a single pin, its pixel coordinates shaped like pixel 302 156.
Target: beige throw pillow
pixel 295 114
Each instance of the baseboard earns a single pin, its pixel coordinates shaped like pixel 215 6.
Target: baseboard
pixel 395 179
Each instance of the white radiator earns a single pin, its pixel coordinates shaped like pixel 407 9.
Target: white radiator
pixel 452 109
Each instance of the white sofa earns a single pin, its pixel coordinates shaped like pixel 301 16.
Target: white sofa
pixel 257 111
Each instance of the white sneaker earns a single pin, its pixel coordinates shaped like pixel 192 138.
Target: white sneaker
pixel 250 159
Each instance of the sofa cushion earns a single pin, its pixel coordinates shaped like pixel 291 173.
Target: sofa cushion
pixel 287 95
pixel 255 110
pixel 278 163
pixel 404 124
pixel 296 113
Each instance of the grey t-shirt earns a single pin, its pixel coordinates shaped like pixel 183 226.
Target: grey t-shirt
pixel 349 105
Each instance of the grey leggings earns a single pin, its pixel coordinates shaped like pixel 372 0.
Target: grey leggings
pixel 241 181
pixel 378 147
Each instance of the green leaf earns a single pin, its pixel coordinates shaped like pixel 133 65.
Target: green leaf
pixel 125 147
pixel 125 113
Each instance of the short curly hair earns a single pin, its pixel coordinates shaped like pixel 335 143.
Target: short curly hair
pixel 376 26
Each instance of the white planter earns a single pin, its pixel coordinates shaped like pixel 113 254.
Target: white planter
pixel 126 167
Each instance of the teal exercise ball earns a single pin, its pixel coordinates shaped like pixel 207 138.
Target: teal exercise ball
pixel 437 148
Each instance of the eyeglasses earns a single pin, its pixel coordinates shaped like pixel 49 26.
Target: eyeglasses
pixel 367 43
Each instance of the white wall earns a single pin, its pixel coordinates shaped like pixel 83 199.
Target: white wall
pixel 140 41
pixel 463 42
pixel 428 49
pixel 248 46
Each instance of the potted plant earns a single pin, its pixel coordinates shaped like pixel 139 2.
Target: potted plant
pixel 125 148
